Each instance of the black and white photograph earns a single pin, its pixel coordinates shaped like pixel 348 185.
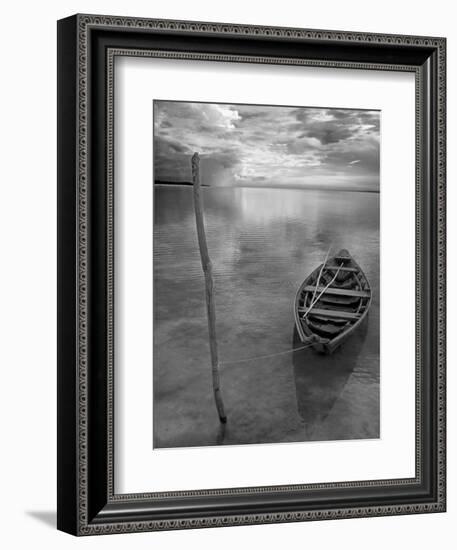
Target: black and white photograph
pixel 266 274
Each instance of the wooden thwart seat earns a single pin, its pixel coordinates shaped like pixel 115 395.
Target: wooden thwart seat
pixel 336 268
pixel 339 291
pixel 342 258
pixel 330 314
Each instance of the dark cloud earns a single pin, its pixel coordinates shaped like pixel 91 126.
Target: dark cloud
pixel 326 133
pixel 335 125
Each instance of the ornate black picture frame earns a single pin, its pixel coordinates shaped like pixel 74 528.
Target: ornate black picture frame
pixel 87 46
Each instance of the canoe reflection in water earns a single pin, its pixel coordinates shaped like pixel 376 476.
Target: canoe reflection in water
pixel 326 401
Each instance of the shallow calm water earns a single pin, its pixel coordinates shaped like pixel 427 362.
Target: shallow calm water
pixel 262 242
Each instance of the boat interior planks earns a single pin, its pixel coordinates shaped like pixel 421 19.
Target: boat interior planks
pixel 332 302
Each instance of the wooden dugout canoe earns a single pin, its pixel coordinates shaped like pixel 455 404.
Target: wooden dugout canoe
pixel 338 310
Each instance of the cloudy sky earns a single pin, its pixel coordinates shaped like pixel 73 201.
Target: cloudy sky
pixel 256 145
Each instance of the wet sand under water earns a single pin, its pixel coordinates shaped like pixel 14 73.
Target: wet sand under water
pixel 263 243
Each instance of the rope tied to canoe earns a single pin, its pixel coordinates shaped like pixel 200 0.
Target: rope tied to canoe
pixel 246 359
pixel 315 300
pixel 320 273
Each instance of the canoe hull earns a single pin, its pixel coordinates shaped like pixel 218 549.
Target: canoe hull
pixel 328 323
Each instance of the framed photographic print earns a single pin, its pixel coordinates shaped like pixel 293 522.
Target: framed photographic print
pixel 251 274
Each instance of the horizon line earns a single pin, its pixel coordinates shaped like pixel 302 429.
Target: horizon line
pixel 287 186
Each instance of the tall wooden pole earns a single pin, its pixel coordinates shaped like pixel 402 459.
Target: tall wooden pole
pixel 208 272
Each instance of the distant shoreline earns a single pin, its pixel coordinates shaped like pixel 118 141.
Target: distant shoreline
pixel 160 182
pixel 278 187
